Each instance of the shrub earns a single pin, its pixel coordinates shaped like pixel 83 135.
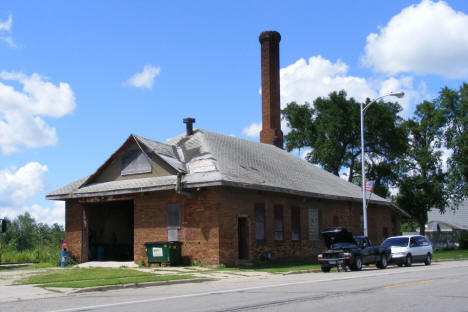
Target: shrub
pixel 464 240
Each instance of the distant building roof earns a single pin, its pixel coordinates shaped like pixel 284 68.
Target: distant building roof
pixel 457 219
pixel 207 159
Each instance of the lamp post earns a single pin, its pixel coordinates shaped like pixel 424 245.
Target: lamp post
pixel 363 156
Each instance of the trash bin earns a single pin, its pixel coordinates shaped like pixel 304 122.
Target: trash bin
pixel 100 253
pixel 65 257
pixel 163 252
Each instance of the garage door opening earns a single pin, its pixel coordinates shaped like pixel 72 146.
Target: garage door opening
pixel 110 231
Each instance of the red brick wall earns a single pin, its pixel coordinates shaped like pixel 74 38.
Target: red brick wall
pixel 199 230
pixel 73 228
pixel 150 220
pixel 238 202
pixel 378 218
pixel 209 223
pixel 271 114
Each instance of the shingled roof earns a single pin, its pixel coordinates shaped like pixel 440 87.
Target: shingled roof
pixel 208 159
pixel 456 218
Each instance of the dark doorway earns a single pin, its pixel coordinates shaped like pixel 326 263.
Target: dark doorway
pixel 110 231
pixel 243 237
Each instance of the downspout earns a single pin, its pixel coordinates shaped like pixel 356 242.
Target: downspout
pixel 178 187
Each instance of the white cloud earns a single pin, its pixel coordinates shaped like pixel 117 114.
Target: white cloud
pixel 9 41
pixel 305 81
pixel 428 38
pixel 17 187
pixel 21 124
pixel 413 95
pixel 50 215
pixel 6 26
pixel 145 79
pixel 253 130
pixel 446 154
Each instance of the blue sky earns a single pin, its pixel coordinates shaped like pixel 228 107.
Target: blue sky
pixel 77 78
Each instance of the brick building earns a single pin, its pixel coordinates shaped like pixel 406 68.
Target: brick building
pixel 226 199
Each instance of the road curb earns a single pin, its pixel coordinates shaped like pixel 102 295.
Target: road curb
pixel 319 271
pixel 443 260
pixel 303 271
pixel 141 285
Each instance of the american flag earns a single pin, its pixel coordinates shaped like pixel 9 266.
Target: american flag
pixel 369 186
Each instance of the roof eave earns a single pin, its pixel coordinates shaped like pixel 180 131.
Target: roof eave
pixel 225 183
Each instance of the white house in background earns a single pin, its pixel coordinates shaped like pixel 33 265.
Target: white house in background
pixel 450 220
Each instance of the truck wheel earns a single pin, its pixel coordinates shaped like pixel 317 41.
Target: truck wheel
pixel 382 264
pixel 408 260
pixel 428 259
pixel 357 264
pixel 325 269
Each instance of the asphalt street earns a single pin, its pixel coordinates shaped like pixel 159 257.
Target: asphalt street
pixel 443 286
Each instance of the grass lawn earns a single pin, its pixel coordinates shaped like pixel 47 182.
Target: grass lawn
pixel 450 254
pixel 275 267
pixel 79 278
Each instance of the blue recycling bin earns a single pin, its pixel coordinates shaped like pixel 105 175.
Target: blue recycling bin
pixel 65 257
pixel 100 253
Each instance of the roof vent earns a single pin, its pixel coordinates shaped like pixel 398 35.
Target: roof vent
pixel 189 122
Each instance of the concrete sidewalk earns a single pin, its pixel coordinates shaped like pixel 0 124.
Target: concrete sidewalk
pixel 10 292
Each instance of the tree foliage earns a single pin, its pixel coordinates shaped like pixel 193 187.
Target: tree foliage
pixel 454 105
pixel 331 128
pixel 23 233
pixel 422 180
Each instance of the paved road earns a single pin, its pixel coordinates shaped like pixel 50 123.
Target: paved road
pixel 439 287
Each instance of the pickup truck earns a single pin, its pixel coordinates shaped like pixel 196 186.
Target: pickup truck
pixel 345 250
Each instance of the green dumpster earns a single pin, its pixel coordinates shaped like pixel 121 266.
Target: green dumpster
pixel 163 252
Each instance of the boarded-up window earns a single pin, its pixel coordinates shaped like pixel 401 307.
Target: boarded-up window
pixel 295 223
pixel 260 221
pixel 173 222
pixel 278 235
pixel 313 224
pixel 135 161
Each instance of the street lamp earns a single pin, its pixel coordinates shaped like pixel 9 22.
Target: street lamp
pixel 363 156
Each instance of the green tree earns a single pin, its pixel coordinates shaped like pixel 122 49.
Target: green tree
pixel 331 128
pixel 23 232
pixel 455 107
pixel 421 185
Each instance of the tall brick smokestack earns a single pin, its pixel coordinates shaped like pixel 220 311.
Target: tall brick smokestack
pixel 271 119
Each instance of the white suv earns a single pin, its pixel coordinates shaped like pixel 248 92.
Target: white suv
pixel 408 249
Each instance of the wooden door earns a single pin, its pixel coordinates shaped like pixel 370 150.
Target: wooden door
pixel 243 237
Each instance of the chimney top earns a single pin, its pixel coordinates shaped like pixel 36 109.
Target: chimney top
pixel 189 122
pixel 270 35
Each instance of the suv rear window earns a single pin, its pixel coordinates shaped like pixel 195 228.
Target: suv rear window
pixel 422 241
pixel 396 242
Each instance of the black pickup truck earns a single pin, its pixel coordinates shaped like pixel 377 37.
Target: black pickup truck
pixel 345 250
